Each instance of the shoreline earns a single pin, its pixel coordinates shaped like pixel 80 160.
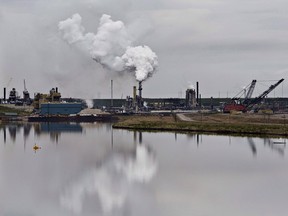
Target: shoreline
pixel 224 125
pixel 245 124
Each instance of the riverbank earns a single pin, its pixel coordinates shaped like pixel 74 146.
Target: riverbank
pixel 260 124
pixel 217 123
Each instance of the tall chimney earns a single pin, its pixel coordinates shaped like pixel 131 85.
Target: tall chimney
pixel 111 93
pixel 56 89
pixel 134 92
pixel 4 94
pixel 140 90
pixel 134 95
pixel 140 95
pixel 197 92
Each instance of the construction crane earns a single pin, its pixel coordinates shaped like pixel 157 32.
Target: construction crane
pixel 263 95
pixel 236 103
pixel 250 92
pixel 249 103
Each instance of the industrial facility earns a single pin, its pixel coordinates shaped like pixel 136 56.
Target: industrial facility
pixel 242 102
pixel 52 103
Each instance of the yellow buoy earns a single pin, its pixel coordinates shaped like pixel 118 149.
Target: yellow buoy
pixel 36 147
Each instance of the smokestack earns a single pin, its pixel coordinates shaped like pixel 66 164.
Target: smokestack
pixel 197 92
pixel 140 90
pixel 56 89
pixel 134 95
pixel 111 93
pixel 4 94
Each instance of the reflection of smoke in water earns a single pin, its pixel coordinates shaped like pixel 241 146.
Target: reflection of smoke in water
pixel 140 169
pixel 111 181
pixel 111 46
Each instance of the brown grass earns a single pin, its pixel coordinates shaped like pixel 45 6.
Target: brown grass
pixel 257 124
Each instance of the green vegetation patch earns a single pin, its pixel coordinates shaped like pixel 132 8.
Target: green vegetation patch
pixel 222 128
pixel 6 109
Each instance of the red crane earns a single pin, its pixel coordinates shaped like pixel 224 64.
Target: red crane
pixel 248 103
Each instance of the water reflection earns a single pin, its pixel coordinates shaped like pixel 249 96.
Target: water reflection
pixel 95 170
pixel 272 143
pixel 280 149
pixel 112 181
pixel 53 129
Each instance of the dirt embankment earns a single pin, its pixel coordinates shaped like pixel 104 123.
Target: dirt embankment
pixel 255 124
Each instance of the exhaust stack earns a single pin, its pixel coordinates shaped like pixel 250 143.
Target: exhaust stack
pixel 140 89
pixel 197 92
pixel 4 94
pixel 140 95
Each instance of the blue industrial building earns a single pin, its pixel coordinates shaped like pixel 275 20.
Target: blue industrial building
pixel 60 108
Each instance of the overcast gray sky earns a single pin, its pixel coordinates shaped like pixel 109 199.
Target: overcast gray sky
pixel 223 44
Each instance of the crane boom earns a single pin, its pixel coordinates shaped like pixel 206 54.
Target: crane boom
pixel 250 92
pixel 264 94
pixel 251 89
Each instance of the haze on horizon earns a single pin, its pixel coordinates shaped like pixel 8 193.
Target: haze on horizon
pixel 223 44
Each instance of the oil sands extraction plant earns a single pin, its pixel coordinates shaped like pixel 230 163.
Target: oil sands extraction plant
pixel 51 104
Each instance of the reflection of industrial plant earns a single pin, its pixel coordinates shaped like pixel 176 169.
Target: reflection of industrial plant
pixel 53 129
pixel 56 129
pixel 121 169
pixel 277 145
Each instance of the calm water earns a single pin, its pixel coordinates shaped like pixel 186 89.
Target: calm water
pixel 90 169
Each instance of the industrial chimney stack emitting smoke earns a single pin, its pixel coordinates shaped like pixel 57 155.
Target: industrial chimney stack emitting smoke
pixel 140 89
pixel 111 46
pixel 140 101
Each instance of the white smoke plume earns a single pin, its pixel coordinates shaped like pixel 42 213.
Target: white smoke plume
pixel 89 103
pixel 111 46
pixel 191 86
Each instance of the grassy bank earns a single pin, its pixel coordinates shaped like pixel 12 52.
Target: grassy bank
pixel 214 123
pixel 20 111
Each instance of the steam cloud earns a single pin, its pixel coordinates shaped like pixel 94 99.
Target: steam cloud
pixel 111 46
pixel 191 86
